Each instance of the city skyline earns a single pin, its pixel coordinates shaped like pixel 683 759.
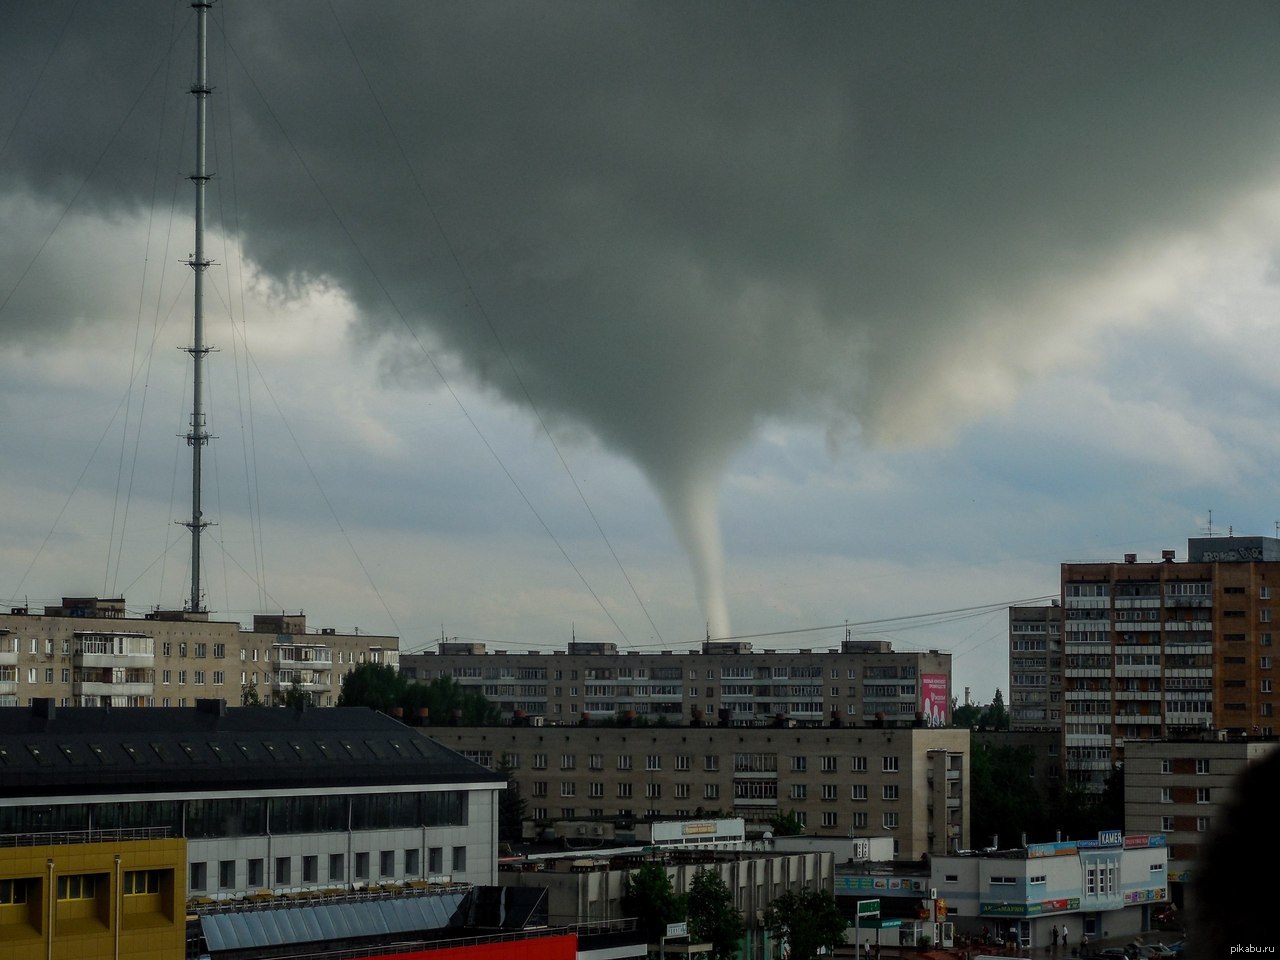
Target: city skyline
pixel 930 302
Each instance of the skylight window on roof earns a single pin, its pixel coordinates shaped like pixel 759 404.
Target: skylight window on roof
pixel 132 751
pixel 102 755
pixel 250 752
pixel 4 756
pixel 70 754
pixel 324 749
pixel 162 751
pixel 37 754
pixel 219 752
pixel 271 749
pixel 189 750
pixel 300 750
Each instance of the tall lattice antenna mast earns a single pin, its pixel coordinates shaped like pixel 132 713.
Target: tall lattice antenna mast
pixel 197 438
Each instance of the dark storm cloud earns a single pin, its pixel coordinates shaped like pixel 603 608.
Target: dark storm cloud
pixel 683 219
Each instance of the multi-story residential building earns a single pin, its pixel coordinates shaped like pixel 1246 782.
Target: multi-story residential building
pixel 90 652
pixel 266 800
pixel 861 682
pixel 911 784
pixel 1035 667
pixel 1159 649
pixel 1176 788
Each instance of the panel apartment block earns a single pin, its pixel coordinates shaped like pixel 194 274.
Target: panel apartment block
pixel 90 652
pixel 911 784
pixel 1162 649
pixel 860 682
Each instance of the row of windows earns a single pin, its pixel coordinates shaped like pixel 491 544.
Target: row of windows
pixel 308 868
pixel 742 762
pixel 247 816
pixel 742 789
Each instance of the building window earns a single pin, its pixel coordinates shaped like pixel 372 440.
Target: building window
pixel 799 791
pixel 799 764
pixel 459 859
pixel 362 866
pixel 84 886
pixel 624 761
pixel 568 761
pixel 684 761
pixel 1202 765
pixel 66 675
pixel 624 790
pixel 219 677
pixel 135 882
pixel 653 761
pixel 595 761
pixel 711 791
pixel 829 791
pixel 828 764
pixel 889 821
pixel 568 788
pixel 539 761
pixel 683 791
pixel 889 791
pixel 284 870
pixel 711 762
pixel 539 788
pixel 829 819
pixel 596 790
pixel 337 868
pixel 1266 685
pixel 1202 794
pixel 889 765
pixel 197 878
pixel 860 819
pixel 1202 824
pixel 858 764
pixel 387 863
pixel 226 874
pixel 1166 766
pixel 1166 824
pixel 435 861
pixel 653 790
pixel 859 792
pixel 411 861
pixel 255 872
pixel 310 869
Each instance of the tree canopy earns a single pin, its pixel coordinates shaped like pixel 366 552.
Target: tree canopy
pixel 809 921
pixel 379 686
pixel 786 823
pixel 713 918
pixel 649 896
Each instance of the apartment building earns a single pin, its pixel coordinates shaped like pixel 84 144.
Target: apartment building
pixel 89 651
pixel 1176 788
pixel 911 784
pixel 861 682
pixel 1150 650
pixel 1035 667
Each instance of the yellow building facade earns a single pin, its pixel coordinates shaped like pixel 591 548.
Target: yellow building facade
pixel 73 896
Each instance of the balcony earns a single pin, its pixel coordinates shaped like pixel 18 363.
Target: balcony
pixel 108 689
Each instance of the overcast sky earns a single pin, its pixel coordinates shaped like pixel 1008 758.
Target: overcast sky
pixel 638 320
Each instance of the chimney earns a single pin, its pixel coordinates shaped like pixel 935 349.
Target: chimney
pixel 45 708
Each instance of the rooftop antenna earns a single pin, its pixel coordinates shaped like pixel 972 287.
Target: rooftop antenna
pixel 196 436
pixel 1211 521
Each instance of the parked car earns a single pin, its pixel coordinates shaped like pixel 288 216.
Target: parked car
pixel 1110 953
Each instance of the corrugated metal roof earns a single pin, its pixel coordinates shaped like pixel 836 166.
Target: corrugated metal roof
pixel 299 924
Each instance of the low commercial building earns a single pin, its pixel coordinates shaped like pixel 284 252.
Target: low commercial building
pixel 267 800
pixel 105 893
pixel 1107 887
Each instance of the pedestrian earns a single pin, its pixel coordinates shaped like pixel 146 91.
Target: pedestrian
pixel 1055 936
pixel 1064 936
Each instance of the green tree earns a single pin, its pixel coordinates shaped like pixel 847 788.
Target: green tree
pixel 249 694
pixel 648 896
pixel 786 823
pixel 297 698
pixel 809 921
pixel 713 918
pixel 1003 797
pixel 996 717
pixel 375 685
pixel 511 808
